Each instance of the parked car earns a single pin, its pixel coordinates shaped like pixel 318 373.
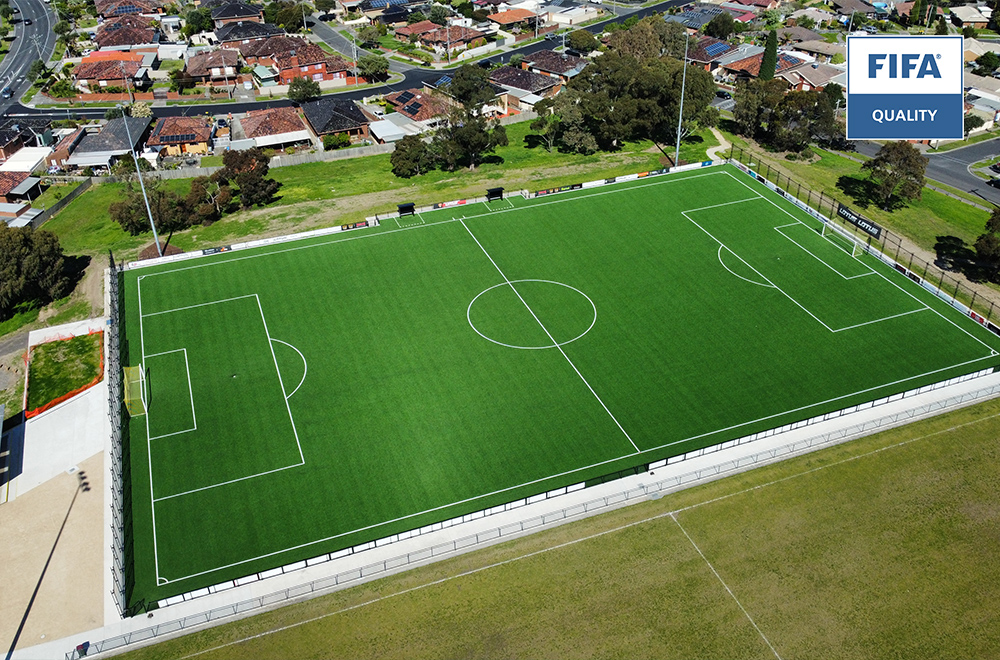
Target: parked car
pixel 6 93
pixel 551 36
pixel 723 94
pixel 994 182
pixel 870 29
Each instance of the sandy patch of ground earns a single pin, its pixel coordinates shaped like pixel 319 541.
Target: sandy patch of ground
pixel 70 597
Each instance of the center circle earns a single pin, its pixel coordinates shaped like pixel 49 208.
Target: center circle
pixel 553 313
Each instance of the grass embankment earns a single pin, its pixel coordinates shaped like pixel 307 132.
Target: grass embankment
pixel 327 193
pixel 922 221
pixel 878 548
pixel 59 367
pixel 53 194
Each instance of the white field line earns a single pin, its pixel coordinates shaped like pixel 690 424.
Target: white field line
pixel 551 338
pixel 564 200
pixel 223 483
pixel 728 590
pixel 204 304
pixel 819 259
pixel 305 366
pixel 149 448
pixel 659 516
pixel 280 381
pixel 877 272
pixel 552 476
pixel 735 274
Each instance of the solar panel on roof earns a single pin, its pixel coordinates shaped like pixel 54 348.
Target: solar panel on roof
pixel 405 97
pixel 443 81
pixel 716 49
pixel 416 106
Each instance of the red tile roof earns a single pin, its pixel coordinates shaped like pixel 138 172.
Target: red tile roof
pixel 430 105
pixel 201 64
pixel 105 70
pixel 511 16
pixel 421 27
pixel 453 35
pixel 272 121
pixel 180 130
pixel 751 65
pixel 11 180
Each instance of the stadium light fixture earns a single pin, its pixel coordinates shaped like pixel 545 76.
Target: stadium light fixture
pixel 142 185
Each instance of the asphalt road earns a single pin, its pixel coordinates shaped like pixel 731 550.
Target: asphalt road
pixel 31 42
pixel 413 76
pixel 952 167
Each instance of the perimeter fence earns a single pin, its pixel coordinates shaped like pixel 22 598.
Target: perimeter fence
pixel 654 489
pixel 947 286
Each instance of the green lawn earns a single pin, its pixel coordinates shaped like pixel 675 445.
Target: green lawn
pixel 84 226
pixel 454 399
pixel 881 548
pixel 87 23
pixel 171 65
pixel 982 137
pixel 60 367
pixel 53 194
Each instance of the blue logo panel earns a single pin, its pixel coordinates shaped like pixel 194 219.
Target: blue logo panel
pixel 905 117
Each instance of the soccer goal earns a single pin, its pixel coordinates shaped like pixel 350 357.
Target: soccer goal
pixel 134 401
pixel 845 243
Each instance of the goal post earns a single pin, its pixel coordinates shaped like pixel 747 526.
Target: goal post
pixel 134 401
pixel 846 243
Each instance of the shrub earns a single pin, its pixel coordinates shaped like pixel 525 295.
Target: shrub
pixel 331 142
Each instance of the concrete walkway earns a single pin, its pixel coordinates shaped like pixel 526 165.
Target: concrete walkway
pixel 721 151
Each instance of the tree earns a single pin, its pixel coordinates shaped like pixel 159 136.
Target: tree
pixel 167 207
pixel 987 63
pixel 338 141
pixel 439 15
pixel 6 12
pixel 140 109
pixel 673 38
pixel 368 34
pixel 412 157
pixel 301 90
pixel 769 62
pixel 806 22
pixel 897 169
pixel 197 20
pixel 248 170
pixel 969 32
pixel 36 69
pixel 470 86
pixel 326 5
pixel 639 41
pixel 62 27
pixel 180 80
pixel 972 122
pixel 373 67
pixel 547 125
pixel 573 131
pixel 290 15
pixel 114 113
pixel 415 17
pixel 942 27
pixel 771 17
pixel 721 26
pixel 255 190
pixel 31 268
pixel 988 253
pixel 583 41
pixel 208 200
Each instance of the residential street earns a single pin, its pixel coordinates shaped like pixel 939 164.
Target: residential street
pixel 31 42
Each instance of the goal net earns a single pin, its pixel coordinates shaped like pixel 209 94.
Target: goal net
pixel 847 244
pixel 134 402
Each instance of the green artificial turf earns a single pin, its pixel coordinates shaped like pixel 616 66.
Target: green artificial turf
pixel 59 367
pixel 312 396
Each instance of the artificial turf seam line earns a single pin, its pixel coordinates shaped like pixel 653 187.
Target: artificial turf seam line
pixel 726 586
pixel 551 338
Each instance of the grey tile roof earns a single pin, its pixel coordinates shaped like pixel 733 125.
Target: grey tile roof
pixel 235 10
pixel 521 79
pixel 330 115
pixel 248 30
pixel 114 137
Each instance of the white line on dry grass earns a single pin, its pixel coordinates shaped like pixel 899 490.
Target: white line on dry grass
pixel 670 514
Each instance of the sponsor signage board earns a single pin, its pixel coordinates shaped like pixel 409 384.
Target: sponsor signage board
pixel 864 224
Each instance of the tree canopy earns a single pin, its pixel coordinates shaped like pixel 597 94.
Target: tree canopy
pixel 301 90
pixel 32 269
pixel 897 169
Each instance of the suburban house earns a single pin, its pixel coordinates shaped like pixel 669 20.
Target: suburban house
pixel 452 38
pixel 847 7
pixel 695 19
pixel 273 127
pixel 95 75
pixel 975 49
pixel 181 135
pixel 234 12
pixel 759 4
pixel 233 34
pixel 16 134
pixel 812 75
pixel 309 61
pixel 512 18
pixel 816 15
pixel 906 8
pixel 822 50
pixel 566 12
pixel 126 31
pixel 797 34
pixel 416 29
pixel 967 16
pixel 262 51
pixel 18 186
pixel 64 148
pixel 112 8
pixel 334 116
pixel 221 65
pixel 705 53
pixel 551 63
pixel 749 67
pixel 512 78
pixel 419 106
pixel 114 140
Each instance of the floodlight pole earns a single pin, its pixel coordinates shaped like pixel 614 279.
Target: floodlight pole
pixel 680 114
pixel 142 185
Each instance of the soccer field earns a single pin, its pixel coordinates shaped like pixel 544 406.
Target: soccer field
pixel 315 395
